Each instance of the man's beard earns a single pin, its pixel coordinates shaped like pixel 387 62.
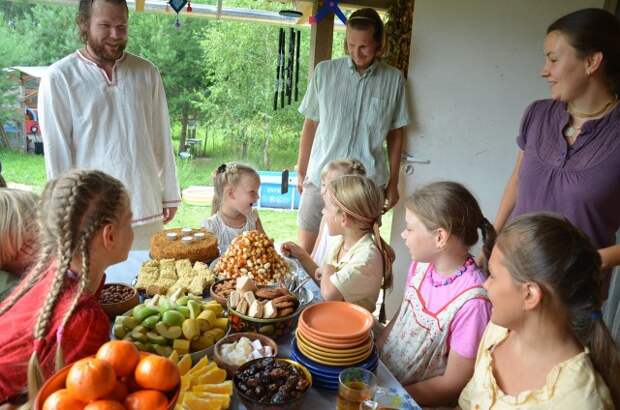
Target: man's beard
pixel 100 51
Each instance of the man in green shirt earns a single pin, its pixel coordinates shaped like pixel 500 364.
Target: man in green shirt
pixel 352 105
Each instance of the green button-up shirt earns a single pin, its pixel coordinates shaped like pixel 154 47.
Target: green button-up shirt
pixel 355 112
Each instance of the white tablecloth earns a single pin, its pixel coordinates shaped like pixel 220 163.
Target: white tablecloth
pixel 318 399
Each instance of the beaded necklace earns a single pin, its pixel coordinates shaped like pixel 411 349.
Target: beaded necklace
pixel 460 271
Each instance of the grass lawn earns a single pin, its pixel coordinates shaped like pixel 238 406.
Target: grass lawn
pixel 29 169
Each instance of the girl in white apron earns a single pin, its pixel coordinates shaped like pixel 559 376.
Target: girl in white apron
pixel 431 343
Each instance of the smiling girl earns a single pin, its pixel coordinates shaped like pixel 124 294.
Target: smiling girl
pixel 236 189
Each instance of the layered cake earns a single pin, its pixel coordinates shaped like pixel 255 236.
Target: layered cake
pixel 184 243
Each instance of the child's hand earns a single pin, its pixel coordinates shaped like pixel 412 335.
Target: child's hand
pixel 326 270
pixel 291 249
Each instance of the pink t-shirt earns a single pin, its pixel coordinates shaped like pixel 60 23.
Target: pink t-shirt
pixel 468 324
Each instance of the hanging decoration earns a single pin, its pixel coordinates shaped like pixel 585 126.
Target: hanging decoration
pixel 398 33
pixel 328 6
pixel 287 70
pixel 177 6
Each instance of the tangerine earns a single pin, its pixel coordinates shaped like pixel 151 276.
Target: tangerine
pixel 146 400
pixel 121 354
pixel 104 405
pixel 90 379
pixel 62 400
pixel 157 373
pixel 119 393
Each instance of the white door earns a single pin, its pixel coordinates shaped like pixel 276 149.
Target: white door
pixel 472 72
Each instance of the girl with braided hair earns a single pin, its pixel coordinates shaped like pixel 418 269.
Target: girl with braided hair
pixel 359 263
pixel 431 342
pixel 236 189
pixel 311 262
pixel 546 345
pixel 53 316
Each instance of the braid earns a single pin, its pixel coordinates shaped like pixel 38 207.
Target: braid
pixel 64 253
pixel 83 284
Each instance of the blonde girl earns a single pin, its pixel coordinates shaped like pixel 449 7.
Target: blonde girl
pixel 431 343
pixel 359 263
pixel 53 315
pixel 236 189
pixel 18 236
pixel 546 346
pixel 311 262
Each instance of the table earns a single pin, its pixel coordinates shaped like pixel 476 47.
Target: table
pixel 320 399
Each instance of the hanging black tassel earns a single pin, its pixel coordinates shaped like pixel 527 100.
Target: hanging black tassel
pixel 297 64
pixel 279 63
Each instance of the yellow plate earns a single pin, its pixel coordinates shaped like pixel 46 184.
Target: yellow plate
pixel 326 350
pixel 329 355
pixel 334 362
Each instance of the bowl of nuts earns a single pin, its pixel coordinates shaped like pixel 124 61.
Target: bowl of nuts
pixel 221 289
pixel 272 383
pixel 116 298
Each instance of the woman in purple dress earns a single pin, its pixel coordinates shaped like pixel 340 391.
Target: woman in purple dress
pixel 569 146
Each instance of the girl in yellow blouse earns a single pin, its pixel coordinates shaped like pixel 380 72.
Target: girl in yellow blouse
pixel 546 345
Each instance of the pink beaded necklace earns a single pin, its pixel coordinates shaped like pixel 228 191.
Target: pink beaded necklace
pixel 460 271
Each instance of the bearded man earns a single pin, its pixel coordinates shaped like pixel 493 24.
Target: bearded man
pixel 103 108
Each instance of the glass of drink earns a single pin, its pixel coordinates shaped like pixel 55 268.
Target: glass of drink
pixel 355 386
pixel 383 399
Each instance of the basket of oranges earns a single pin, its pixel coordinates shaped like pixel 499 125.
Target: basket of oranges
pixel 118 377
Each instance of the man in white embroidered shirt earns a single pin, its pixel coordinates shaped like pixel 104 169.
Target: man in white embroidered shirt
pixel 102 108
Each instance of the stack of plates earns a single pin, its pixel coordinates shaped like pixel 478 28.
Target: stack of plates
pixel 332 336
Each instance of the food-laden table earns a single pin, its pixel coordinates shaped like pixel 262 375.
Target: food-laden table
pixel 126 272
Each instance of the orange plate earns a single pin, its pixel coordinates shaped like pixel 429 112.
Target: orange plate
pixel 332 344
pixel 337 320
pixel 57 382
pixel 320 339
pixel 333 353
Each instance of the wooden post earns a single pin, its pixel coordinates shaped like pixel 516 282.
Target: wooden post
pixel 23 105
pixel 321 38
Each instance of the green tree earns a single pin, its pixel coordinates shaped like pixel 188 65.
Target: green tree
pixel 240 59
pixel 178 53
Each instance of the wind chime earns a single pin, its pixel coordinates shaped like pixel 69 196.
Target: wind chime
pixel 177 6
pixel 287 70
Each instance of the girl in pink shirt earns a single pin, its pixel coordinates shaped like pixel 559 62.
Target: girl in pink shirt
pixel 430 344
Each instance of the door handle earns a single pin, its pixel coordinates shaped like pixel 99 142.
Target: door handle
pixel 410 159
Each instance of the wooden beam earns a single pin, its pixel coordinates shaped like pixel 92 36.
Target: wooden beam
pixel 321 39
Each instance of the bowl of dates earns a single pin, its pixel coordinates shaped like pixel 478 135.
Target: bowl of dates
pixel 116 298
pixel 272 383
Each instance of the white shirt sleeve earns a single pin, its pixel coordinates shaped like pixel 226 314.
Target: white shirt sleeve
pixel 162 146
pixel 54 108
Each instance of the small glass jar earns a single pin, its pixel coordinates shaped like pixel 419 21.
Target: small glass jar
pixel 187 231
pixel 199 236
pixel 186 240
pixel 172 236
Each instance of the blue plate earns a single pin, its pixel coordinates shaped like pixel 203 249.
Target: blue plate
pixel 326 386
pixel 370 362
pixel 329 373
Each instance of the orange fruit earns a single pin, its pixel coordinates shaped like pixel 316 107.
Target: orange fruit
pixel 157 373
pixel 121 354
pixel 146 400
pixel 90 379
pixel 62 400
pixel 104 405
pixel 119 393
